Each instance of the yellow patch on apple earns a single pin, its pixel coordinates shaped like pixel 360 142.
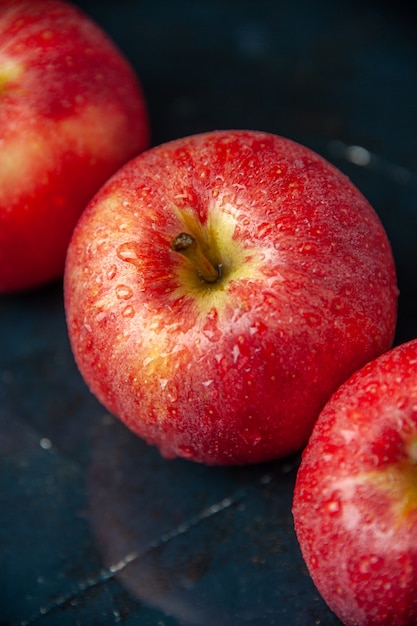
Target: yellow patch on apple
pixel 32 156
pixel 219 245
pixel 93 129
pixel 398 481
pixel 9 72
pixel 25 162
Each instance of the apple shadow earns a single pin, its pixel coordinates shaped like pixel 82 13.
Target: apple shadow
pixel 203 545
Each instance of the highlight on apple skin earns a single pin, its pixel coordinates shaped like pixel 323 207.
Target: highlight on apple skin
pixel 355 498
pixel 220 287
pixel 71 113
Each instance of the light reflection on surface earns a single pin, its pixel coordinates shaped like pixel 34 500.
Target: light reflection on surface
pixel 195 541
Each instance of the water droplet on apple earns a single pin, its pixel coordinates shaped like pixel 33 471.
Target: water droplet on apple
pixel 333 507
pixel 211 330
pixel 111 272
pixel 123 292
pixel 307 248
pixel 402 402
pixel 368 563
pixel 213 335
pixel 128 311
pixel 372 388
pixel 129 252
pixel 264 230
pixel 255 438
pixel 173 395
pixel 337 305
pixel 186 452
pixel 235 353
pixel 312 319
pixel 251 437
pixel 320 271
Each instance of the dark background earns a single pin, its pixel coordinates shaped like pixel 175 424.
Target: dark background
pixel 95 528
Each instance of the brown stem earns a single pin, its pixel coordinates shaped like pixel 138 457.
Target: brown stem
pixel 189 247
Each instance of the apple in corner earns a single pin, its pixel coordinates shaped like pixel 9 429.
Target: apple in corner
pixel 218 289
pixel 71 113
pixel 355 498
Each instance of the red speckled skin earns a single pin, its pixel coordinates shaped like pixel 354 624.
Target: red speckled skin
pixel 234 372
pixel 71 113
pixel 355 500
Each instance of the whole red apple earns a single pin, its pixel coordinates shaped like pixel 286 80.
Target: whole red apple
pixel 71 113
pixel 355 500
pixel 220 287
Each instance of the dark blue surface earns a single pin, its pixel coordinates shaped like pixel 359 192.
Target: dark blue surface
pixel 95 528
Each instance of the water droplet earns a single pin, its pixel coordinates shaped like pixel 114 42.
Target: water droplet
pixel 128 311
pixel 186 452
pixel 312 319
pixel 307 248
pixel 251 437
pixel 368 563
pixel 111 272
pixel 402 402
pixel 129 252
pixel 372 388
pixel 337 306
pixel 264 230
pixel 172 396
pixel 235 353
pixel 123 292
pixel 333 507
pixel 255 438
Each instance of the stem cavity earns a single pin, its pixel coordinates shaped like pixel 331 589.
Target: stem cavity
pixel 190 248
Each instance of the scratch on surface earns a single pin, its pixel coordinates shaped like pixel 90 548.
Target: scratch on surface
pixel 111 571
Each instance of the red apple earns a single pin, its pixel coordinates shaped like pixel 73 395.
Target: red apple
pixel 71 113
pixel 220 287
pixel 355 501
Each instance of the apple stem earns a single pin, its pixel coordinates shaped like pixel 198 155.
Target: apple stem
pixel 189 247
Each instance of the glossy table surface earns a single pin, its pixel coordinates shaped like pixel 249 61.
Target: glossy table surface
pixel 95 527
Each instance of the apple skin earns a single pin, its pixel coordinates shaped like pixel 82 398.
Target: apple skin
pixel 235 371
pixel 71 113
pixel 355 499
